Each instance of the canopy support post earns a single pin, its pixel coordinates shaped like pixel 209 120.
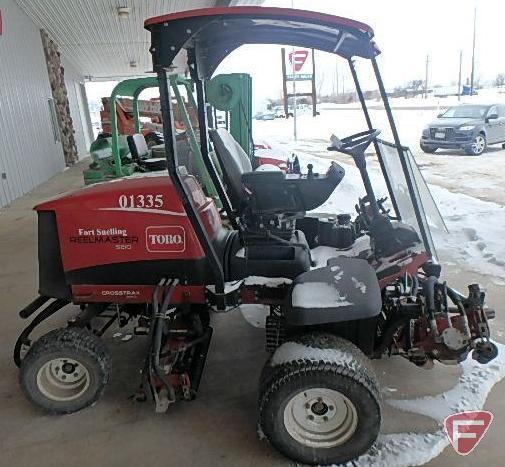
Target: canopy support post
pixel 177 180
pixel 370 127
pixel 204 140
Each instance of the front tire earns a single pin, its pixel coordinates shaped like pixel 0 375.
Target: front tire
pixel 321 404
pixel 65 371
pixel 428 149
pixel 478 145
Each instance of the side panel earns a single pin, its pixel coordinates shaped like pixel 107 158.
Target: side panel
pixel 131 232
pixel 132 220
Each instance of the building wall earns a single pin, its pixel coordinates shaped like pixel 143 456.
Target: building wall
pixel 30 152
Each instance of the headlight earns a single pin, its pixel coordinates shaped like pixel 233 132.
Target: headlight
pixel 467 127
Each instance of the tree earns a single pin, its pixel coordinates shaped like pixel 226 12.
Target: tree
pixel 500 80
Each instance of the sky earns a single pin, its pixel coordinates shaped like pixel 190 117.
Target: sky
pixel 406 32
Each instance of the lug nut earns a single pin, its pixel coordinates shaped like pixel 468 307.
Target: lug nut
pixel 311 417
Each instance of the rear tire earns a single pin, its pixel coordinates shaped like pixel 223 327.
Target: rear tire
pixel 478 146
pixel 322 408
pixel 65 371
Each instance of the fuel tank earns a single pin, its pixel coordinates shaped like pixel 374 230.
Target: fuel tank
pixel 129 231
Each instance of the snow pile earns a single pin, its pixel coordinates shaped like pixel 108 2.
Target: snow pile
pixel 294 352
pixel 476 232
pixel 255 315
pixel 318 295
pixel 267 281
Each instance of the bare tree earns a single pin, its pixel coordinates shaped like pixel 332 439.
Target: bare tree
pixel 499 80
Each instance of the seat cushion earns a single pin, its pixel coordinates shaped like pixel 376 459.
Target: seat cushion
pixel 234 162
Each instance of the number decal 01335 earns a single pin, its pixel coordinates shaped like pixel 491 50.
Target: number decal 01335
pixel 148 201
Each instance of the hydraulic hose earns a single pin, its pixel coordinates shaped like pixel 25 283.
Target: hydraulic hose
pixel 158 317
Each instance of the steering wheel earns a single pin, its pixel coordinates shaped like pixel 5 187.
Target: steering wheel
pixel 356 143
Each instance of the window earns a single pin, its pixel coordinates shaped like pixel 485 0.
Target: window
pixel 492 111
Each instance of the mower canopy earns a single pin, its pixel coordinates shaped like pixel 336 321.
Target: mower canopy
pixel 213 33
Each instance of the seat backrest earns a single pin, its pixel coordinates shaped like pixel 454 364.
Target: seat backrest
pixel 234 162
pixel 138 146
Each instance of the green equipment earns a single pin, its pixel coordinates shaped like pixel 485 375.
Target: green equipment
pixel 111 155
pixel 103 166
pixel 233 93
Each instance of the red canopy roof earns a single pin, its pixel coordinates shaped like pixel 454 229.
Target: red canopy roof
pixel 213 33
pixel 254 10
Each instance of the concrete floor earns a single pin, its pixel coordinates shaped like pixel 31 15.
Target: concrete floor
pixel 219 427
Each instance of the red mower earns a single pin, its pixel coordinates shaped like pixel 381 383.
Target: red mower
pixel 156 252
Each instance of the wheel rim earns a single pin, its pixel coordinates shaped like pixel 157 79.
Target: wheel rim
pixel 479 144
pixel 63 379
pixel 320 418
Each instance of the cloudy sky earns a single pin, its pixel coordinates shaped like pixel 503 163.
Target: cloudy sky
pixel 406 31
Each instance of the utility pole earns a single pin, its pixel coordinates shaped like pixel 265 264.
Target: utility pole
pixel 314 96
pixel 426 78
pixel 293 71
pixel 336 73
pixel 459 78
pixel 472 78
pixel 284 83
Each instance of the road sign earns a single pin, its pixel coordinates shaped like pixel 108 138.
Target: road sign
pixel 300 77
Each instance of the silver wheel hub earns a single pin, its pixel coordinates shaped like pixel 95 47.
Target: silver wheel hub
pixel 479 144
pixel 320 418
pixel 63 379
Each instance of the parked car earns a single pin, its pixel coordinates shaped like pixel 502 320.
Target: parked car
pixel 468 127
pixel 266 116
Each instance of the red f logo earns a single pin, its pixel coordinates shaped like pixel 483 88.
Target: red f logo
pixel 297 59
pixel 466 429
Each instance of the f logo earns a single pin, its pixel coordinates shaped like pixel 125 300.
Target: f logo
pixel 466 429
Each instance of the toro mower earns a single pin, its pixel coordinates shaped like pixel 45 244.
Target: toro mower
pixel 155 252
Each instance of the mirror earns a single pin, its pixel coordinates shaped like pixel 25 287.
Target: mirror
pixel 492 116
pixel 440 115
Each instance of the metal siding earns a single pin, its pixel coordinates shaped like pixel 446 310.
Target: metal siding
pixel 96 41
pixel 28 153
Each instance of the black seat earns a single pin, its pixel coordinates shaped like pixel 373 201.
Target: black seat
pixel 271 192
pixel 143 156
pixel 234 162
pixel 138 146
